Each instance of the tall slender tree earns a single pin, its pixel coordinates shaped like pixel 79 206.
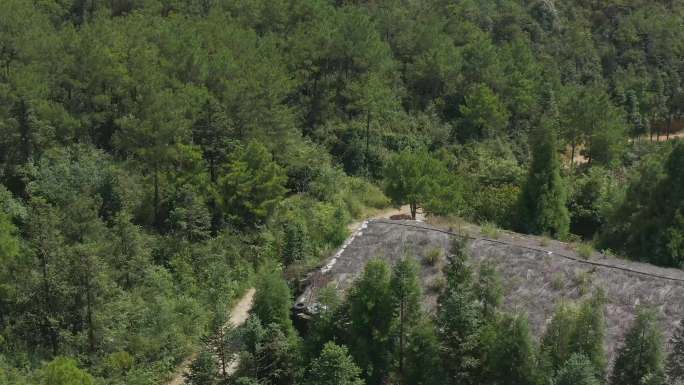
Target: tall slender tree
pixel 370 308
pixel 675 361
pixel 641 356
pixel 406 300
pixel 334 367
pixel 543 198
pixel 459 320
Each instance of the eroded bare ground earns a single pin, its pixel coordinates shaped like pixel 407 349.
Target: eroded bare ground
pixel 238 315
pixel 536 273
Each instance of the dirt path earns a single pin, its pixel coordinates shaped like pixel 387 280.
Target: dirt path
pixel 240 312
pixel 238 316
pixel 385 214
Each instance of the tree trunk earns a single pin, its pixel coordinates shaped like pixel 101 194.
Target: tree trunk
pixel 156 198
pixel 401 338
pixel 572 154
pixel 368 122
pixel 414 207
pixel 89 314
pixel 222 351
pixel 47 332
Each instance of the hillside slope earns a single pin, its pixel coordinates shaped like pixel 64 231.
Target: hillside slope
pixel 535 277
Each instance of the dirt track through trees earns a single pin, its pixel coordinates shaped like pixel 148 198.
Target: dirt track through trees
pixel 238 316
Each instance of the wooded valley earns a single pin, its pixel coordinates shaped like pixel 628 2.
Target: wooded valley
pixel 160 157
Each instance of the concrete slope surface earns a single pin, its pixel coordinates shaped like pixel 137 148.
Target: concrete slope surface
pixel 535 277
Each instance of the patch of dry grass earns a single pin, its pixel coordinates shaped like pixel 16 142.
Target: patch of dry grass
pixel 433 256
pixel 437 284
pixel 490 230
pixel 584 250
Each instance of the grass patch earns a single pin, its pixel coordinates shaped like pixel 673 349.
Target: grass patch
pixel 544 241
pixel 582 281
pixel 437 284
pixel 584 250
pixel 558 281
pixel 434 256
pixel 608 253
pixel 490 230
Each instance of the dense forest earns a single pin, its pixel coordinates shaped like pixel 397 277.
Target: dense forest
pixel 158 157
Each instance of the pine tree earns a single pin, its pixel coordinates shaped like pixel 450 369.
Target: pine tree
pixel 9 242
pixel 588 335
pixel 555 346
pixel 459 317
pixel 641 355
pixel 270 357
pixel 64 371
pixel 273 300
pixel 9 249
pixel 202 370
pixel 295 244
pixel 577 370
pixel 459 274
pixel 370 309
pixel 511 356
pixel 252 186
pixel 406 299
pixel 576 330
pixel 488 289
pixel 543 198
pixel 423 362
pixel 675 362
pixel 414 178
pixel 334 367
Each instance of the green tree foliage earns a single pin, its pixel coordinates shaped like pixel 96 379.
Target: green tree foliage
pixel 511 358
pixel 268 356
pixel 202 370
pixel 326 323
pixel 640 358
pixel 484 115
pixel 371 314
pixel 555 344
pixel 64 371
pixel 153 154
pixel 418 179
pixel 9 246
pixel 577 370
pixel 675 361
pixel 252 186
pixel 273 300
pixel 589 333
pixel 576 330
pixel 295 244
pixel 590 201
pixel 423 356
pixel 334 367
pixel 406 302
pixel 591 120
pixel 459 320
pixel 542 201
pixel 489 289
pixel 648 222
pixel 8 238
